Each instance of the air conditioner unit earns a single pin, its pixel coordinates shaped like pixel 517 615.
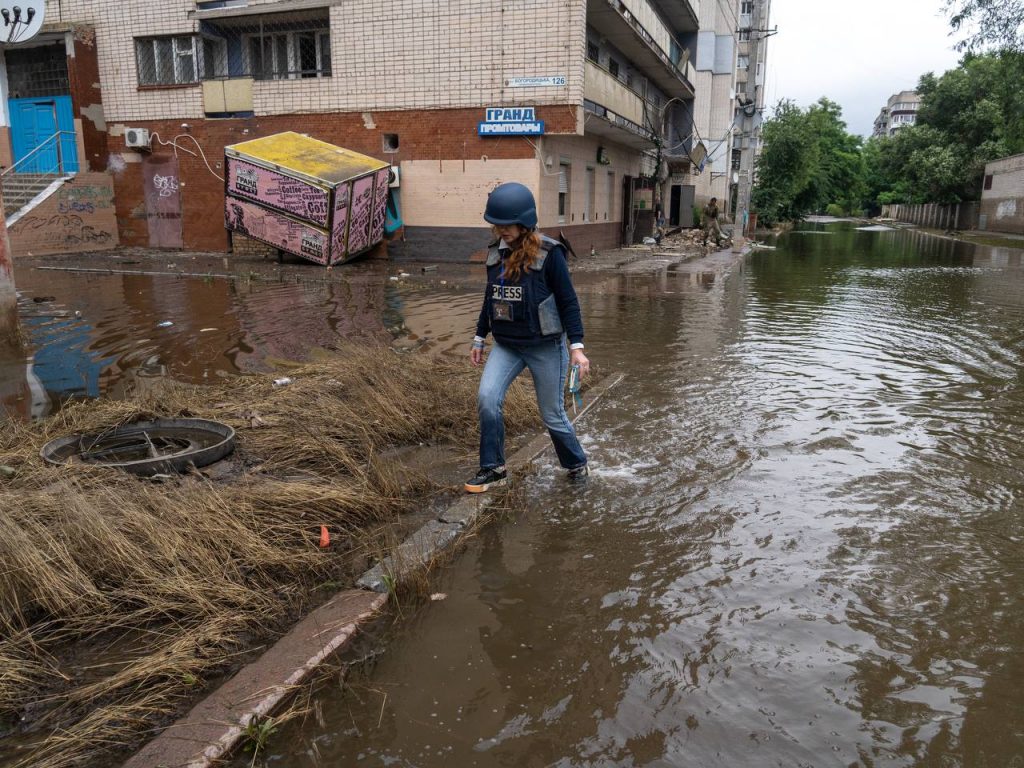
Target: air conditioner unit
pixel 394 177
pixel 136 138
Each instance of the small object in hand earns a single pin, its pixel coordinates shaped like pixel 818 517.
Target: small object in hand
pixel 574 387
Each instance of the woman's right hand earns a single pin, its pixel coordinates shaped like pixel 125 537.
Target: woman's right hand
pixel 477 355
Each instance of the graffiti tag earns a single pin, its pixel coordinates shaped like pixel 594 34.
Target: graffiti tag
pixel 165 185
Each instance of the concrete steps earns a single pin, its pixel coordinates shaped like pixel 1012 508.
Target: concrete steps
pixel 20 188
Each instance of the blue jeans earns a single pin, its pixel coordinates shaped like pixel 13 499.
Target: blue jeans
pixel 548 363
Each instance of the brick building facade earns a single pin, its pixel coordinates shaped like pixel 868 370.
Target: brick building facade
pixel 406 81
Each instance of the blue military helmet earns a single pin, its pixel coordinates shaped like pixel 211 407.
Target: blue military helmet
pixel 511 203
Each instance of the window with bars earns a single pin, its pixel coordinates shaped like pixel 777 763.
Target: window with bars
pixel 288 55
pixel 167 60
pixel 37 71
pixel 265 47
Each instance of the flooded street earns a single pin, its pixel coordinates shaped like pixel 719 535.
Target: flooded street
pixel 800 545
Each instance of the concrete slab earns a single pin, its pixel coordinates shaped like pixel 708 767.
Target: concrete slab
pixel 217 724
pixel 412 554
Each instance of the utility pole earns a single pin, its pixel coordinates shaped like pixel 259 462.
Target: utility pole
pixel 749 124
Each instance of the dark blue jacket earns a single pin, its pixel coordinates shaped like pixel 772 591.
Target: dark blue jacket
pixel 542 300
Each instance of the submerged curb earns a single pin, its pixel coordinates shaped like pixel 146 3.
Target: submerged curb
pixel 417 551
pixel 215 726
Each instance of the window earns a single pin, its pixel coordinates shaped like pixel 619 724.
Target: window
pixel 167 60
pixel 747 7
pixel 613 67
pixel 744 35
pixel 289 55
pixel 988 181
pixel 743 62
pixel 215 58
pixel 592 52
pixel 563 191
pixel 737 157
pixel 675 52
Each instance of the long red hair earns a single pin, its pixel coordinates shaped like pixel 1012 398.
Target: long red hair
pixel 524 252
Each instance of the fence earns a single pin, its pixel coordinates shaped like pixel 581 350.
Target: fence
pixel 935 215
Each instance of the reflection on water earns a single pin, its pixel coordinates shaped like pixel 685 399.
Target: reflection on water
pixel 800 545
pixel 93 333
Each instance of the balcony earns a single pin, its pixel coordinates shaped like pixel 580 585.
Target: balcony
pixel 614 111
pixel 682 14
pixel 636 29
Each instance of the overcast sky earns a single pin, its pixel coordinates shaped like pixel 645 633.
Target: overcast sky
pixel 857 54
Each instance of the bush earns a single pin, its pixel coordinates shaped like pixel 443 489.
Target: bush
pixel 834 209
pixel 697 213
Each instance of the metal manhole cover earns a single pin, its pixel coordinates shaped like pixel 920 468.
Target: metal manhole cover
pixel 146 447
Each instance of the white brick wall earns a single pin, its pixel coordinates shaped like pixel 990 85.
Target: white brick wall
pixel 1007 178
pixel 402 54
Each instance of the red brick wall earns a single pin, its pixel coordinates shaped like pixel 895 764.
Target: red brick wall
pixel 87 99
pixel 433 134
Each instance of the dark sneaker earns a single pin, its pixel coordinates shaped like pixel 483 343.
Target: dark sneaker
pixel 486 478
pixel 578 474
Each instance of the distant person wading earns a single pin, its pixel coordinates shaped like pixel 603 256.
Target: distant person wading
pixel 711 225
pixel 530 307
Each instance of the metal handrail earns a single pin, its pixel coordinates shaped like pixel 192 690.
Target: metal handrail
pixel 60 161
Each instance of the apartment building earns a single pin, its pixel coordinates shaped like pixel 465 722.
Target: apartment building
pixel 714 108
pixel 573 99
pixel 899 112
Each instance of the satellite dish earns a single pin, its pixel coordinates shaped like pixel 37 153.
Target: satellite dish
pixel 20 20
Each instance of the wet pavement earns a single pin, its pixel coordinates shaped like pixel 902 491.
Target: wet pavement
pixel 800 544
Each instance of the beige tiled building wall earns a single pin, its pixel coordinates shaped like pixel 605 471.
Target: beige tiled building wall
pixel 404 54
pixel 580 155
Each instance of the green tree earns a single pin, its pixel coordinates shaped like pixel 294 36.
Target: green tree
pixel 968 117
pixel 990 23
pixel 808 162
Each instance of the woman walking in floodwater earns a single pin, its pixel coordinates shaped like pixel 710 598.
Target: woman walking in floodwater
pixel 530 307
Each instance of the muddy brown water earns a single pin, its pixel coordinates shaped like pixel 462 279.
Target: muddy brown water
pixel 801 544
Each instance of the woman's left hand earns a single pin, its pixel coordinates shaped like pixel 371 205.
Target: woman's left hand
pixel 576 357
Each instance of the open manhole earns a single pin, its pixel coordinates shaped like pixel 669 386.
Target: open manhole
pixel 147 447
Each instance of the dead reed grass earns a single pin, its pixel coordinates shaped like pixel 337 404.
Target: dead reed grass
pixel 120 597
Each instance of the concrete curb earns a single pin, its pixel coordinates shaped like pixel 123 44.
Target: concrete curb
pixel 417 551
pixel 216 726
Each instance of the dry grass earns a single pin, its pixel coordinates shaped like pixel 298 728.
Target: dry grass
pixel 119 597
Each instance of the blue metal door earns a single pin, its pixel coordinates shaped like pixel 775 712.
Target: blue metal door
pixel 33 122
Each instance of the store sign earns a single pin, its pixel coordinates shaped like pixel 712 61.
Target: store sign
pixel 510 121
pixel 535 82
